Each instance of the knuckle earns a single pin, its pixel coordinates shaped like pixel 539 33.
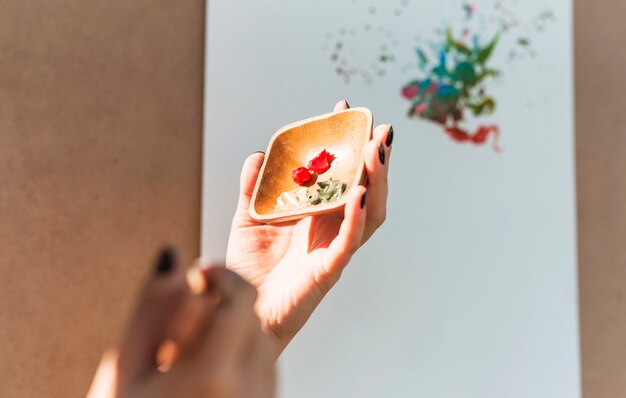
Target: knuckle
pixel 383 218
pixel 354 245
pixel 328 280
pixel 379 218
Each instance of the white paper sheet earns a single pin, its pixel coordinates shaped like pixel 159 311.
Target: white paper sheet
pixel 469 289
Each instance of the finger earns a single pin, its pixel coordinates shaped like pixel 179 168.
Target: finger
pixel 234 321
pixel 249 175
pixel 341 105
pixel 348 239
pixel 186 330
pixel 189 327
pixel 384 134
pixel 377 166
pixel 158 304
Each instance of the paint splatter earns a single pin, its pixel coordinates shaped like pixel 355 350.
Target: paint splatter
pixel 479 137
pixel 346 50
pixel 456 71
pixel 369 40
pixel 454 85
pixel 457 62
pixel 469 9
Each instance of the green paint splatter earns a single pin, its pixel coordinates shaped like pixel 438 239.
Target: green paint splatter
pixel 454 84
pixel 328 191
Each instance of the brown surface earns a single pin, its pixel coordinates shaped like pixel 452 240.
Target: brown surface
pixel 100 163
pixel 600 35
pixel 100 156
pixel 344 133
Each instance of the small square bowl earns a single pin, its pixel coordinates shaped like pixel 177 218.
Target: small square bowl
pixel 344 134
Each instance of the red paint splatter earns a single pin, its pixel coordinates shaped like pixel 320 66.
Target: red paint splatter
pixel 457 134
pixel 301 176
pixel 321 163
pixel 479 137
pixel 420 108
pixel 411 91
pixel 306 176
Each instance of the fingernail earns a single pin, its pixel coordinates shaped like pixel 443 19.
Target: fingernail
pixel 347 105
pixel 195 280
pixel 381 154
pixel 259 152
pixel 363 199
pixel 166 262
pixel 166 355
pixel 389 137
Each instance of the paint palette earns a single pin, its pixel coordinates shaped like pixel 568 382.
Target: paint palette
pixel 344 134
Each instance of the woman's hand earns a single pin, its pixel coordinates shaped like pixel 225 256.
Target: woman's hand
pixel 294 264
pixel 194 334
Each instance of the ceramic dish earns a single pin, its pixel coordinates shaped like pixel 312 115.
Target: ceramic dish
pixel 343 134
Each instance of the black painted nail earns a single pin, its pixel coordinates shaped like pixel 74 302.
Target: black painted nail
pixel 389 137
pixel 381 153
pixel 166 262
pixel 347 105
pixel 363 199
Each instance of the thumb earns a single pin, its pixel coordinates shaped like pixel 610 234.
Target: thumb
pixel 249 174
pixel 350 235
pixel 158 304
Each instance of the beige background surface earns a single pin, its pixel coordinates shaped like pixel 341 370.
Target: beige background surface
pixel 100 151
pixel 600 35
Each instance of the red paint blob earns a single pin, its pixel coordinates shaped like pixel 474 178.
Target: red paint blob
pixel 479 137
pixel 301 176
pixel 321 163
pixel 457 134
pixel 410 92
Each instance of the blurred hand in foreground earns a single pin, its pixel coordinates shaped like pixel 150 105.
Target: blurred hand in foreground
pixel 194 334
